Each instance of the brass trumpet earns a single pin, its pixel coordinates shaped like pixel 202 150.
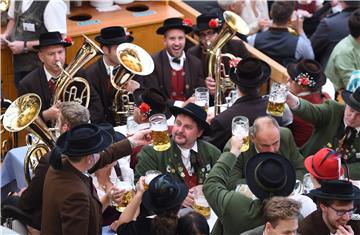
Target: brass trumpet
pixel 134 60
pixel 77 89
pixel 233 23
pixel 24 113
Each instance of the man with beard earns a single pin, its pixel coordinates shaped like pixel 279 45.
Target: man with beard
pixel 176 73
pixel 336 206
pixel 189 159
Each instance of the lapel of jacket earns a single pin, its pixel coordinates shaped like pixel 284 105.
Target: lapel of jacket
pixel 175 165
pixel 189 87
pixel 44 85
pixel 166 72
pixel 102 77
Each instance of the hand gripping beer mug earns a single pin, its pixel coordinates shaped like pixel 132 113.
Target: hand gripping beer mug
pixel 159 132
pixel 202 97
pixel 277 99
pixel 200 203
pixel 127 196
pixel 149 176
pixel 240 127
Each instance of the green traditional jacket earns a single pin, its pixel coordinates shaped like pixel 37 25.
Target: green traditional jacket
pixel 236 212
pixel 170 161
pixel 287 149
pixel 329 128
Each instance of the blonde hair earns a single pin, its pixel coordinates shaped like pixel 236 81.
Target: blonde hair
pixel 281 208
pixel 73 113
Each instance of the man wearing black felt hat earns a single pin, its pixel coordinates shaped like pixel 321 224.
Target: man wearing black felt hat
pixel 98 73
pixel 176 73
pixel 267 174
pixel 248 76
pixel 336 126
pixel 189 158
pixel 207 28
pixel 335 209
pixel 42 80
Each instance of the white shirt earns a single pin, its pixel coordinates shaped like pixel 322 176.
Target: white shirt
pixel 54 14
pixel 48 75
pixel 185 156
pixel 108 68
pixel 176 66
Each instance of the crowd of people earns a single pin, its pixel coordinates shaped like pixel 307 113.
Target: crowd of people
pixel 296 176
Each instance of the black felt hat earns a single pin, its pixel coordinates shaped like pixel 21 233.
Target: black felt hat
pixel 307 73
pixel 270 174
pixel 250 73
pixel 117 136
pixel 84 139
pixel 352 99
pixel 337 190
pixel 154 98
pixel 51 38
pixel 164 193
pixel 194 111
pixel 174 23
pixel 114 35
pixel 207 21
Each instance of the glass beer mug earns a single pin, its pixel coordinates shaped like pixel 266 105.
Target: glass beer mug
pixel 277 99
pixel 240 127
pixel 159 132
pixel 200 203
pixel 127 196
pixel 202 97
pixel 149 176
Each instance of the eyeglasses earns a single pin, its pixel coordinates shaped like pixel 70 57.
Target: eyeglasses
pixel 343 212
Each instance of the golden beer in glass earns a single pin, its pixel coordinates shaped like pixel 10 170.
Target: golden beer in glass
pixel 149 176
pixel 159 132
pixel 200 203
pixel 127 197
pixel 202 206
pixel 277 99
pixel 202 97
pixel 240 127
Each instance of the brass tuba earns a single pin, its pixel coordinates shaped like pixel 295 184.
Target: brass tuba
pixel 233 24
pixel 24 113
pixel 134 60
pixel 77 89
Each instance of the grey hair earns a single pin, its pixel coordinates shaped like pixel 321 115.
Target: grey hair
pixel 225 4
pixel 261 122
pixel 74 113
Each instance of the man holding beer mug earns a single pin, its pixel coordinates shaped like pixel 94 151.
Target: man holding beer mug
pixel 189 158
pixel 267 136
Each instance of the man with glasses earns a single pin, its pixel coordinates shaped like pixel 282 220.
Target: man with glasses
pixel 335 209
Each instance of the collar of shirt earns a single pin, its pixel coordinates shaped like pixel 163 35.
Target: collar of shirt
pixel 108 68
pixel 304 93
pixel 185 157
pixel 357 128
pixel 176 66
pixel 48 74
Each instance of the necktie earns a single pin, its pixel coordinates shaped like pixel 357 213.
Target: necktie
pixel 176 60
pixel 52 85
pixel 195 160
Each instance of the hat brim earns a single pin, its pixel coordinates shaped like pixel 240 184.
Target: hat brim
pixel 118 136
pixel 178 200
pixel 203 124
pixel 341 197
pixel 346 95
pixel 309 168
pixel 293 72
pixel 114 41
pixel 251 83
pixel 106 140
pixel 162 30
pixel 65 44
pixel 258 191
pixel 197 29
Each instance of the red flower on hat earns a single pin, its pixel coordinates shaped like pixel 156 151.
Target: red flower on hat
pixel 187 22
pixel 145 108
pixel 233 62
pixel 68 39
pixel 214 23
pixel 304 79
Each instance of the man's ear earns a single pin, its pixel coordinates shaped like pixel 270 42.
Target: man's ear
pixel 65 127
pixel 268 226
pixel 41 57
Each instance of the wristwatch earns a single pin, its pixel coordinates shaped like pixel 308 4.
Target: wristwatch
pixel 26 50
